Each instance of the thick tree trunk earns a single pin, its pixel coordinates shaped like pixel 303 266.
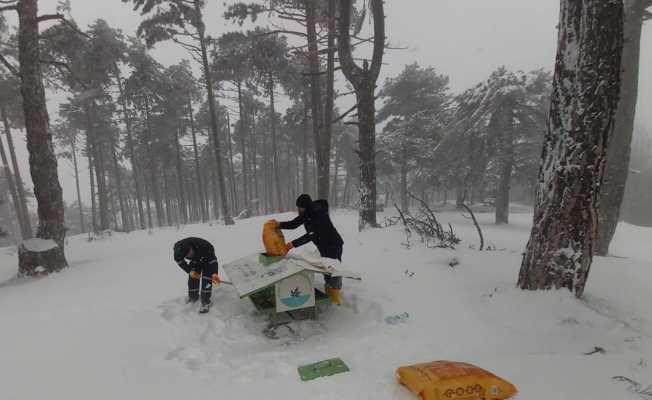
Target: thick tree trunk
pixel 586 83
pixel 612 189
pixel 275 167
pixel 226 213
pixel 199 185
pixel 135 166
pixel 367 154
pixel 26 226
pixel 364 81
pixel 42 160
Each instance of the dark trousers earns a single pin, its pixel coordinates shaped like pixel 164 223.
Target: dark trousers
pixel 335 253
pixel 204 285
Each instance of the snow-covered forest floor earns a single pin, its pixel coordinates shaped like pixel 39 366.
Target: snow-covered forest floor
pixel 114 325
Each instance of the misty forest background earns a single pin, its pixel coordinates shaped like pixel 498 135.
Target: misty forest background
pixel 249 120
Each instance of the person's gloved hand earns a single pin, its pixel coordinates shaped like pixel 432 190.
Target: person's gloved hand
pixel 216 279
pixel 194 274
pixel 289 246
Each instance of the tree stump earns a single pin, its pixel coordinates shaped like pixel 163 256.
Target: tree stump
pixel 38 257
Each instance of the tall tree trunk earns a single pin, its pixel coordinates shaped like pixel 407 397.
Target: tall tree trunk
pixel 135 165
pixel 503 123
pixel 304 158
pixel 232 180
pixel 254 149
pixel 166 197
pixel 148 206
pixel 404 173
pixel 243 149
pixel 586 83
pixel 213 178
pixel 89 156
pixel 153 175
pixel 228 220
pixel 327 134
pixel 318 126
pixel 26 227
pixel 612 189
pixel 73 148
pixel 20 217
pixel 118 185
pixel 98 159
pixel 198 184
pixel 42 160
pixel 364 82
pixel 183 207
pixel 266 186
pixel 275 167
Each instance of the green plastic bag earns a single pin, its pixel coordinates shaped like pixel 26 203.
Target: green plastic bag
pixel 322 368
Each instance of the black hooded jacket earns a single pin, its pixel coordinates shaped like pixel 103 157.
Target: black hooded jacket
pixel 319 228
pixel 203 253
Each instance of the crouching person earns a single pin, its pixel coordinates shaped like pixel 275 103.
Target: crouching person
pixel 197 258
pixel 313 215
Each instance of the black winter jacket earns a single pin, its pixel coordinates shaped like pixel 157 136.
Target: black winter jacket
pixel 203 253
pixel 319 228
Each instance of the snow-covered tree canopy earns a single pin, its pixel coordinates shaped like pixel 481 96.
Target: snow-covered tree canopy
pixel 473 134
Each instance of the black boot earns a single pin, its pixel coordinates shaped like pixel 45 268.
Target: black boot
pixel 206 291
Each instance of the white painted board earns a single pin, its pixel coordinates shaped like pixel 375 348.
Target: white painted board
pixel 249 275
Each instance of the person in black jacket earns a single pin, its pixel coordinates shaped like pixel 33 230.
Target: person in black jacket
pixel 313 215
pixel 201 267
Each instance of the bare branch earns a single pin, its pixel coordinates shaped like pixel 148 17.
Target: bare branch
pixel 8 65
pixel 9 8
pixel 477 226
pixel 277 31
pixel 62 18
pixel 647 15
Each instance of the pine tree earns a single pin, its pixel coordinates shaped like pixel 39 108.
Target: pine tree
pixel 580 125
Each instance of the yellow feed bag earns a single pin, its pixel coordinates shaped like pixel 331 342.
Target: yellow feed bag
pixel 448 380
pixel 273 240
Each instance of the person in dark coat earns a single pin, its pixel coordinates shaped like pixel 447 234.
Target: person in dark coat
pixel 313 215
pixel 196 257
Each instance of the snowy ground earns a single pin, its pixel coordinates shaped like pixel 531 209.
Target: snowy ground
pixel 114 326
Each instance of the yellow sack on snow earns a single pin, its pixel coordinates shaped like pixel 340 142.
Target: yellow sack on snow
pixel 273 239
pixel 449 380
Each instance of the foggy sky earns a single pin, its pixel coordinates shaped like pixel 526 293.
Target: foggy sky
pixel 464 39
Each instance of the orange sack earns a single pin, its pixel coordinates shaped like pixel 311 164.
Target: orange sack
pixel 449 380
pixel 273 239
